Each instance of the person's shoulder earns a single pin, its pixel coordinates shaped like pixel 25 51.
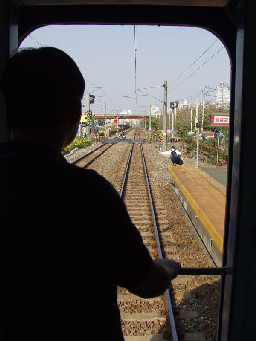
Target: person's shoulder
pixel 79 173
pixel 86 177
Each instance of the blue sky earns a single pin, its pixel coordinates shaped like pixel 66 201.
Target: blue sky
pixel 187 58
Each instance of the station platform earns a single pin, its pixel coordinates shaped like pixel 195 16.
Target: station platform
pixel 205 205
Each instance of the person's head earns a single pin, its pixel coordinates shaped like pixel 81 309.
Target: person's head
pixel 173 148
pixel 43 88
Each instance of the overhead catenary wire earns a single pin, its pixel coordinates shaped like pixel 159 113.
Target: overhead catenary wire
pixel 150 95
pixel 187 68
pixel 197 69
pixel 33 38
pixel 87 80
pixel 142 90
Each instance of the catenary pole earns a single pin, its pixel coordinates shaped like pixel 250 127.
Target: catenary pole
pixel 164 116
pixel 197 128
pixel 88 128
pixel 105 114
pixel 173 122
pixel 191 119
pixel 175 115
pixel 202 127
pixel 149 126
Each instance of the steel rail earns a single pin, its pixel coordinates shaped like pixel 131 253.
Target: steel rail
pixel 96 157
pixel 84 156
pixel 126 172
pixel 167 295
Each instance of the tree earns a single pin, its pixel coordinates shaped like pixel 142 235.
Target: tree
pixel 183 119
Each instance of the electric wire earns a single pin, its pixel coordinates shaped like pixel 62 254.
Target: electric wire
pixel 35 40
pixel 198 68
pixel 87 80
pixel 150 95
pixel 192 64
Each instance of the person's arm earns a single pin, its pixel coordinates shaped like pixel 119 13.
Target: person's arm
pixel 158 280
pixel 134 267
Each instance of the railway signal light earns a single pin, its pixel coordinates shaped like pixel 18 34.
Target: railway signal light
pixel 92 98
pixel 174 105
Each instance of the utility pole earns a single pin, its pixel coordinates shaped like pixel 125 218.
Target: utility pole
pixel 88 128
pixel 169 120
pixel 202 127
pixel 175 115
pixel 197 128
pixel 149 126
pixel 164 116
pixel 191 119
pixel 93 128
pixel 117 122
pixel 90 100
pixel 173 106
pixel 105 114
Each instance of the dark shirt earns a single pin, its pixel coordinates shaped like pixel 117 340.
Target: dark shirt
pixel 67 242
pixel 174 156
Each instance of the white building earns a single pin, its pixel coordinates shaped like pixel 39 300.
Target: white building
pixel 184 105
pixel 222 94
pixel 155 111
pixel 126 120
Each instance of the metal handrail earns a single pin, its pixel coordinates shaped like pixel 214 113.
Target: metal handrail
pixel 167 295
pixel 203 271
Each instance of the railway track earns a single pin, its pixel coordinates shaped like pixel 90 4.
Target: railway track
pixel 142 319
pixel 87 159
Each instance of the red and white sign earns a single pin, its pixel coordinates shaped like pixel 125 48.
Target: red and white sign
pixel 220 120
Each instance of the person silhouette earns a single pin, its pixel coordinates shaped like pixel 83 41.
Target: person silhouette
pixel 67 239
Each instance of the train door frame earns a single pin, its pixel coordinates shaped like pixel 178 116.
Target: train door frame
pixel 238 297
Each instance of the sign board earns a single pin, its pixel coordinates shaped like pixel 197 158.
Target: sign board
pixel 220 120
pixel 168 131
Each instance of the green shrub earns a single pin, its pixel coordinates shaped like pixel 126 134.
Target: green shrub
pixel 78 142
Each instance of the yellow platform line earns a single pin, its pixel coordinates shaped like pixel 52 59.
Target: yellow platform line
pixel 206 221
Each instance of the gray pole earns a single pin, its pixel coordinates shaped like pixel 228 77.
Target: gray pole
pixel 197 147
pixel 172 122
pixel 164 116
pixel 175 114
pixel 197 127
pixel 105 120
pixel 117 121
pixel 88 128
pixel 202 128
pixel 93 129
pixel 196 118
pixel 191 119
pixel 169 120
pixel 218 145
pixel 149 126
